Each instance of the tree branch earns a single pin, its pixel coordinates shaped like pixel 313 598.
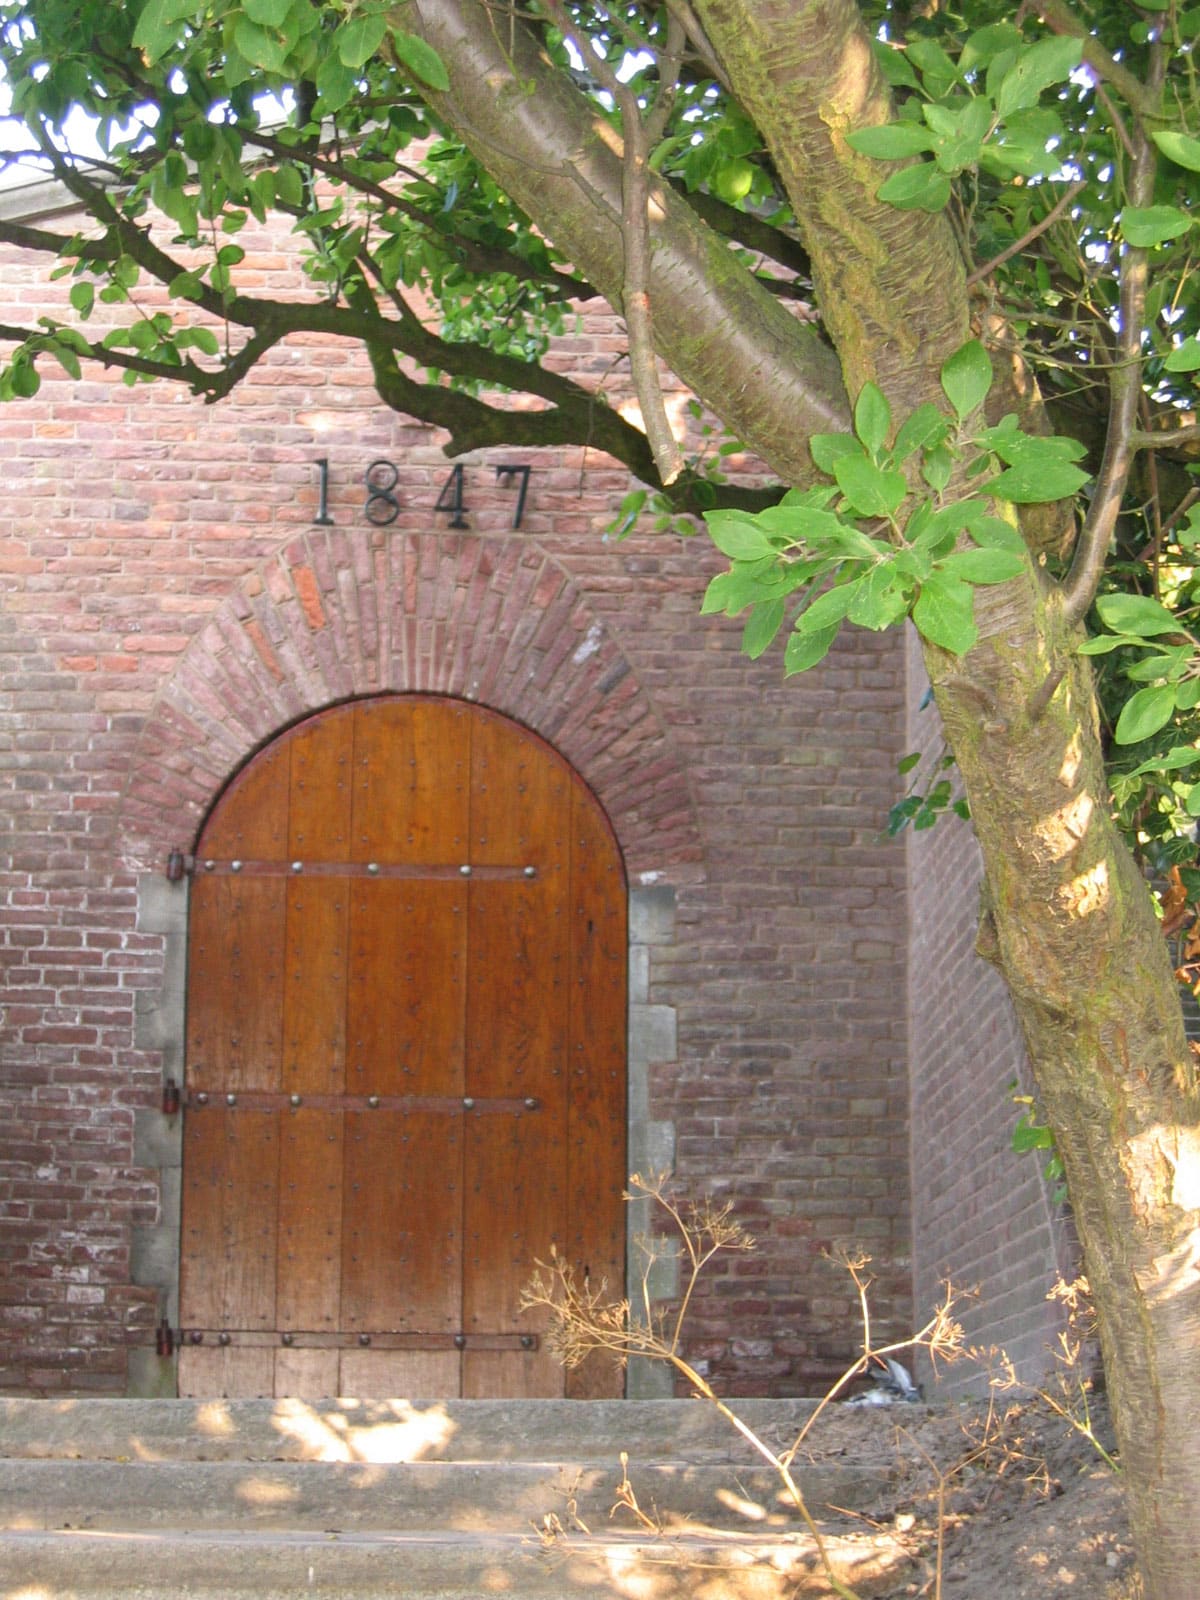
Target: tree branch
pixel 482 259
pixel 635 226
pixel 769 376
pixel 1125 391
pixel 1059 18
pixel 1165 438
pixel 1027 238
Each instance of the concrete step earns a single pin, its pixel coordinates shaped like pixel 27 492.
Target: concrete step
pixel 386 1430
pixel 323 1496
pixel 230 1566
pixel 429 1500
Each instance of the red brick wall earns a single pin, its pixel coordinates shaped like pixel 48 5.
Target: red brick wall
pixel 168 606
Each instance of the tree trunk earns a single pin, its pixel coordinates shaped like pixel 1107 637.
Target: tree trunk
pixel 1071 925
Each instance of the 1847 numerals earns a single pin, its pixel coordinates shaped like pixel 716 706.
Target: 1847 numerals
pixel 382 504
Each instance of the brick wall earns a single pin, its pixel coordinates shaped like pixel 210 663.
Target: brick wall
pixel 168 606
pixel 984 1217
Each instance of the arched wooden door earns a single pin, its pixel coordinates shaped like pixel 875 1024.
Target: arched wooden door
pixel 405 1060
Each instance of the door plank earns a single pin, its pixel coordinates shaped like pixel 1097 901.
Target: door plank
pixel 249 822
pixel 313 1024
pixel 206 1371
pixel 512 1375
pixel 406 990
pixel 236 960
pixel 310 1222
pixel 230 1193
pixel 306 1374
pixel 397 1374
pixel 520 798
pixel 596 1128
pixel 202 1241
pixel 320 786
pixel 411 760
pixel 402 1222
pixel 249 1215
pixel 515 1211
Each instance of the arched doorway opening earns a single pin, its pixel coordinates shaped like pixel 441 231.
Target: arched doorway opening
pixel 406 1040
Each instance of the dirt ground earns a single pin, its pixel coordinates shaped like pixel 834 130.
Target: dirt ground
pixel 1030 1509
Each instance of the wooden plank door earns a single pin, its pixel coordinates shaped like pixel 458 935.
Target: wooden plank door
pixel 406 1059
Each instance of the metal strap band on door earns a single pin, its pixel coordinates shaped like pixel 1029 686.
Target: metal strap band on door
pixel 263 1100
pixel 300 1339
pixel 210 866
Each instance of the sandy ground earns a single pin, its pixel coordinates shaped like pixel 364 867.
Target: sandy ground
pixel 1029 1508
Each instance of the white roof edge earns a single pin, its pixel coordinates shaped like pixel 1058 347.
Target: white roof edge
pixel 27 196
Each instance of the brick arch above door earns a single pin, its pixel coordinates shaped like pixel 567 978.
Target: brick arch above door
pixel 338 614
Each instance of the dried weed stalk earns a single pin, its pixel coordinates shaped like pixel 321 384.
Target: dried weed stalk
pixel 583 1321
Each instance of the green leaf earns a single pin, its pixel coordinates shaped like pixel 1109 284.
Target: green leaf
pixel 937 467
pixel 960 131
pixel 358 40
pixel 1176 759
pixel 763 623
pixel 921 188
pixel 892 142
pixel 926 426
pixel 732 181
pixel 871 491
pixel 203 339
pixel 1193 801
pixel 1047 62
pixel 1137 614
pixel 83 297
pixel 934 64
pixel 1185 357
pixel 881 598
pixel 717 597
pixel 1145 713
pixel 24 379
pixel 828 608
pixel 986 43
pixel 1180 148
pixel 1145 227
pixel 966 378
pixel 1170 664
pixel 993 533
pixel 737 537
pixel 894 65
pixel 267 13
pixel 872 418
pixel 1104 644
pixel 187 285
pixel 259 47
pixel 1036 481
pixel 67 360
pixel 945 613
pixel 983 566
pixel 1187 693
pixel 421 59
pixel 827 449
pixel 336 83
pixel 804 650
pixel 160 26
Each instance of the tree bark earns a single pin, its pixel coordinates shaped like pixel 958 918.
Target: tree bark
pixel 1071 926
pixel 1075 934
pixel 717 328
